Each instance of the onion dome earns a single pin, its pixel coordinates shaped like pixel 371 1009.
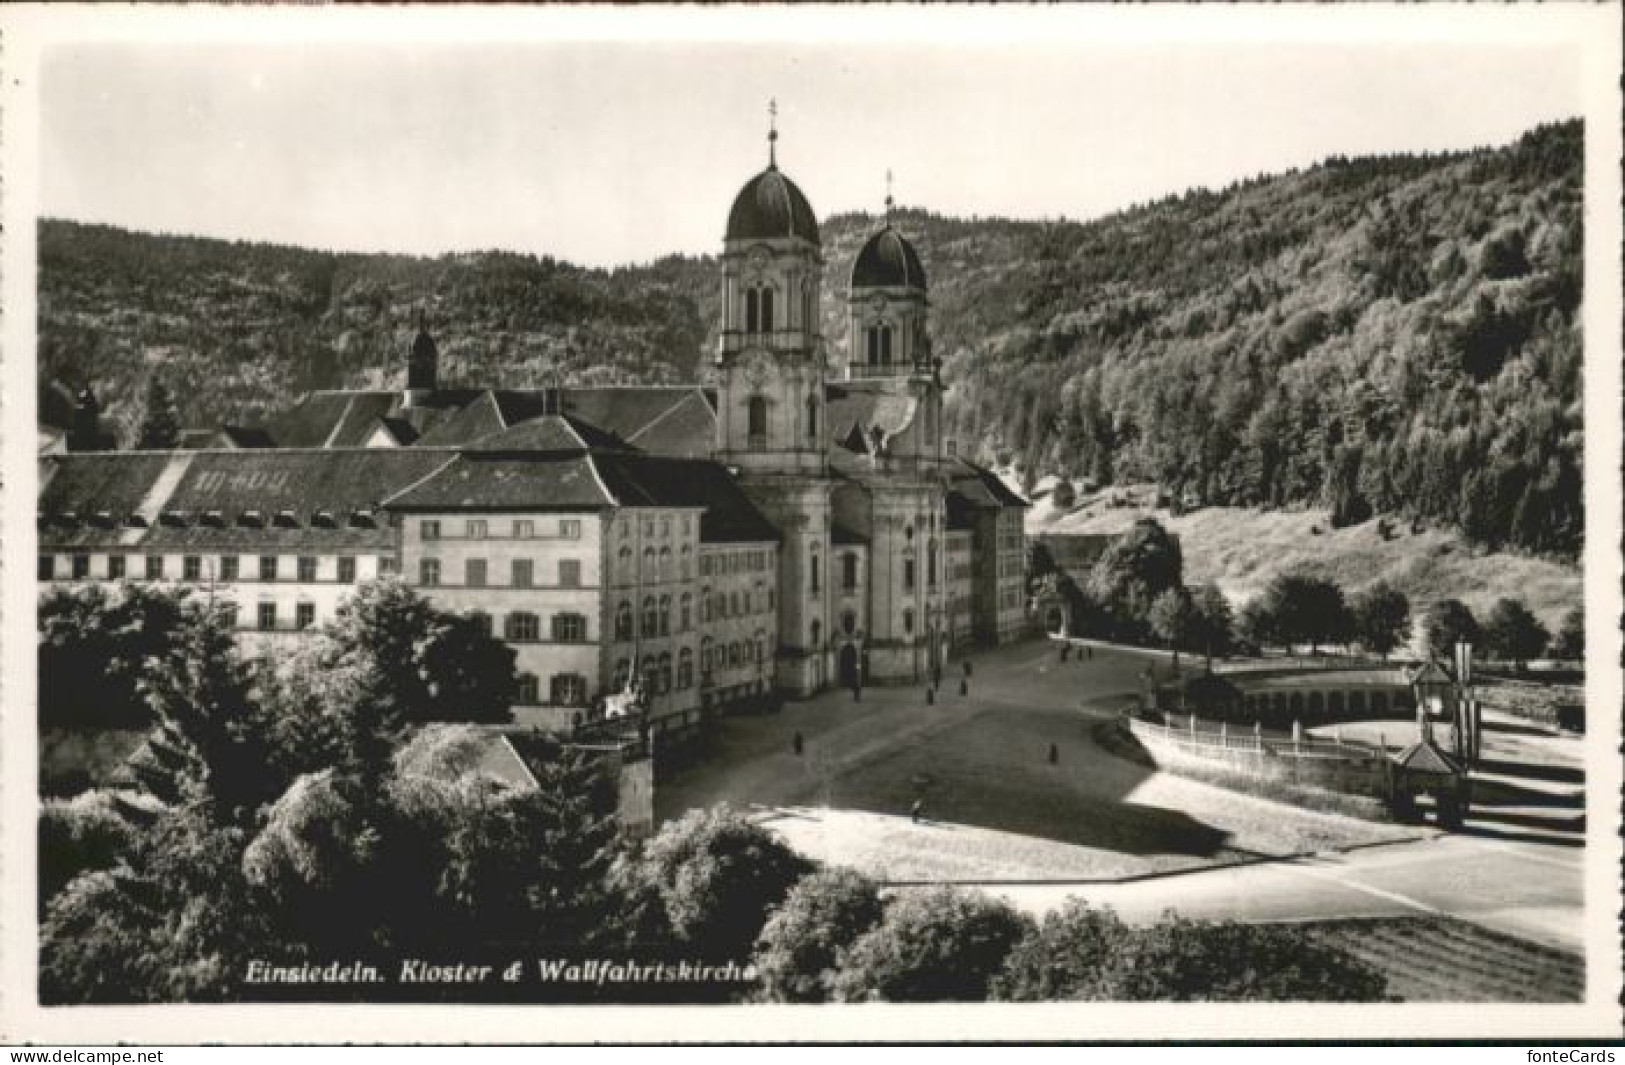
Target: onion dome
pixel 888 261
pixel 771 207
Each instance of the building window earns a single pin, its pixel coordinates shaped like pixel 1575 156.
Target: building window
pixel 527 691
pixel 849 623
pixel 767 310
pixel 474 573
pixel 307 569
pixel 849 571
pixel 685 613
pixel 685 559
pixel 228 568
pixel 685 669
pixel 267 617
pixel 429 572
pixel 665 615
pixel 388 565
pixel 570 529
pixel 155 567
pixel 815 576
pixel 625 558
pixel 623 621
pixel 756 423
pixel 522 627
pixel 476 528
pixel 665 528
pixel 648 573
pixel 267 567
pixel 651 620
pixel 191 567
pixel 304 615
pixel 567 689
pixel 665 562
pixel 753 310
pixel 817 635
pixel 429 530
pixel 346 569
pixel 812 417
pixel 115 567
pixel 569 573
pixel 705 656
pixel 908 622
pixel 569 628
pixel 524 572
pixel 908 573
pixel 481 621
pixel 665 674
pixel 47 567
pixel 231 611
pixel 524 529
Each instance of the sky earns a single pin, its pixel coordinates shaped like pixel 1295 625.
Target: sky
pixel 612 143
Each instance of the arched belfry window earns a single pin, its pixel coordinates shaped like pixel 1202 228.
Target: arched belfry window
pixel 753 311
pixel 877 342
pixel 757 421
pixel 812 417
pixel 767 310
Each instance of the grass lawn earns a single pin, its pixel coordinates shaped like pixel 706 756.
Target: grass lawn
pixel 1441 959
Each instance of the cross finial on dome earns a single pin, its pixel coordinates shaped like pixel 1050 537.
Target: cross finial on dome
pixel 772 132
pixel 888 196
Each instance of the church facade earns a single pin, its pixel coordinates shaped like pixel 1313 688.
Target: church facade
pixel 800 525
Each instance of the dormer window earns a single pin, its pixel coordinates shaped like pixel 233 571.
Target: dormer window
pixel 213 518
pixel 322 518
pixel 103 519
pixel 363 519
pixel 174 517
pixel 251 517
pixel 136 521
pixel 286 519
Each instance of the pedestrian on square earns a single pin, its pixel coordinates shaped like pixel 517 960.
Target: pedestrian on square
pixel 916 811
pixel 796 744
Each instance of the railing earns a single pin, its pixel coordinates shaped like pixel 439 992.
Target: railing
pixel 1248 740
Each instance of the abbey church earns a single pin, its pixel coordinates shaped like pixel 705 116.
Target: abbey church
pixel 804 523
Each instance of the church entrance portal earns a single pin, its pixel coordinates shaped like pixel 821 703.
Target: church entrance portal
pixel 848 663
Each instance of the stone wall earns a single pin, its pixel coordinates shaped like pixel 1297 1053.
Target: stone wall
pixel 1349 769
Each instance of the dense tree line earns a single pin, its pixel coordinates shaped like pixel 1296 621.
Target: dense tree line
pixel 1135 593
pixel 1394 334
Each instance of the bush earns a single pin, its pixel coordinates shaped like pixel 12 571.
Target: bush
pixel 801 947
pixel 718 876
pixel 1062 956
pixel 1177 960
pixel 933 946
pixel 76 836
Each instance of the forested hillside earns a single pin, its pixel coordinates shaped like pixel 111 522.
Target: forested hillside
pixel 1396 334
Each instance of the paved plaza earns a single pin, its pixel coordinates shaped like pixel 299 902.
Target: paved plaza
pixel 997 812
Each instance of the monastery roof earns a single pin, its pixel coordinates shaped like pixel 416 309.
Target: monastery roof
pixel 224 498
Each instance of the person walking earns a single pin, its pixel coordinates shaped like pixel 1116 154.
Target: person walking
pixel 916 812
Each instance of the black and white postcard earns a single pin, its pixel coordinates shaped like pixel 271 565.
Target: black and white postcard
pixel 886 523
